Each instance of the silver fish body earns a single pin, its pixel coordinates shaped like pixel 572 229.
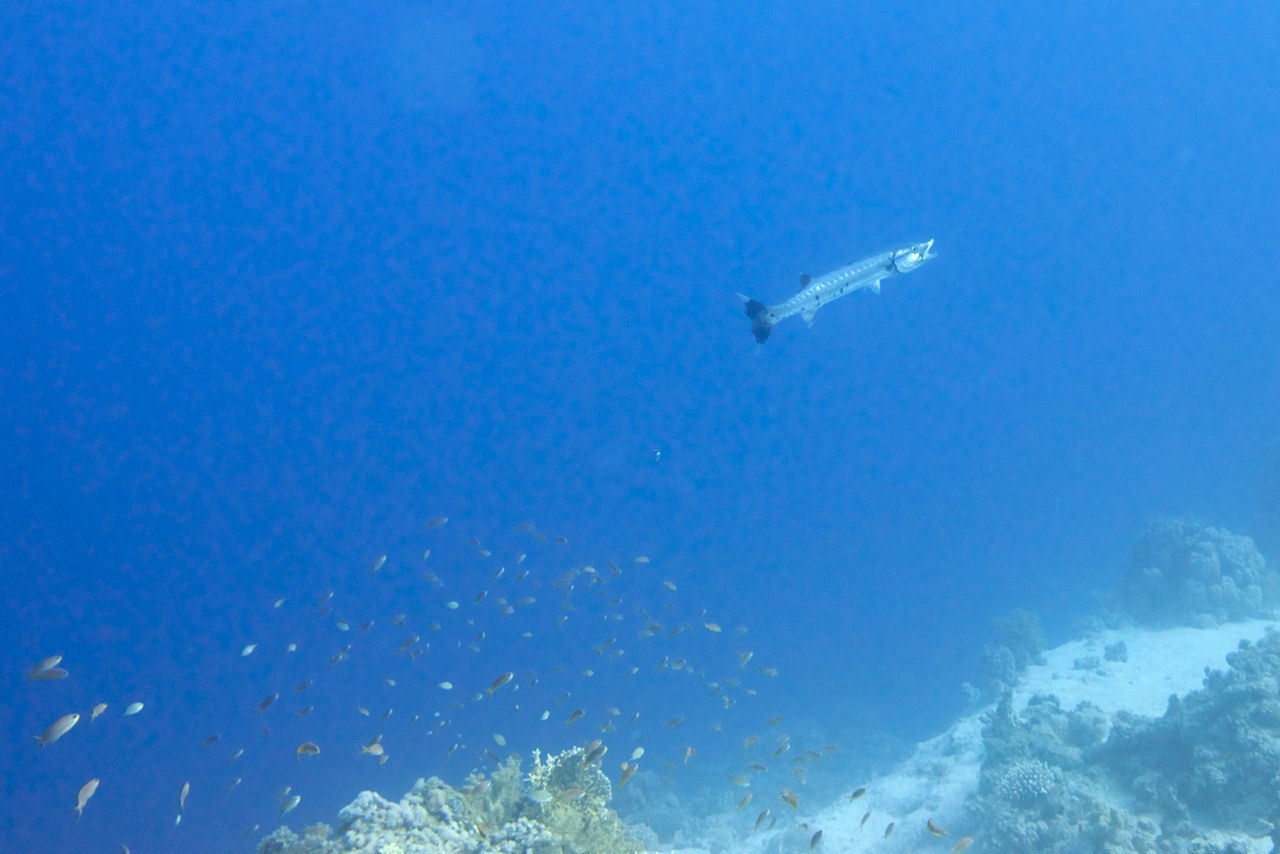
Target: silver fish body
pixel 815 293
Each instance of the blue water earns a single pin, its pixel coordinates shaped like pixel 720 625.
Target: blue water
pixel 283 281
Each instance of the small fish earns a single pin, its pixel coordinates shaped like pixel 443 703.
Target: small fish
pixel 86 792
pixel 97 710
pixel 247 650
pixel 888 830
pixel 374 749
pixel 251 831
pixel 378 564
pixel 57 729
pixel 711 627
pixel 738 780
pixel 542 796
pixel 210 739
pixel 277 603
pixel 628 771
pixel 760 819
pixel 814 840
pixel 131 709
pixel 641 559
pixel 758 767
pixel 236 755
pixel 446 686
pixel 865 816
pixel 857 793
pixel 437 522
pixel 791 799
pixel 49 675
pixel 934 829
pixel 670 585
pixel 267 701
pixel 42 666
pixel 637 753
pixel 575 715
pixel 750 740
pixel 570 795
pixel 289 803
pixel 233 784
pixel 675 722
pixel 746 799
pixel 307 748
pixel 182 797
pixel 688 754
pixel 500 681
pixel 500 739
pixel 964 843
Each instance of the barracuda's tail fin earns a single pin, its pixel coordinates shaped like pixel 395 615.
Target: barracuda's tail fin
pixel 761 325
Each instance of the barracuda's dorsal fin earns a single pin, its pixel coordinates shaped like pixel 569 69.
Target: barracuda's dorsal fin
pixel 804 280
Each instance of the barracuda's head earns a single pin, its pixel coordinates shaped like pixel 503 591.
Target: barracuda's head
pixel 906 260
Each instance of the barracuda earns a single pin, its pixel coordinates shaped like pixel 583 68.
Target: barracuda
pixel 815 293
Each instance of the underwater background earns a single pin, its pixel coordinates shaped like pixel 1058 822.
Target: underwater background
pixel 284 282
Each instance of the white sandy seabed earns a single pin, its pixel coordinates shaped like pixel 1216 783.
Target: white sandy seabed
pixel 943 771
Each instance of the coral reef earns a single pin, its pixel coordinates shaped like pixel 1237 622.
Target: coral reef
pixel 1203 778
pixel 1184 572
pixel 1019 641
pixel 1037 792
pixel 1215 754
pixel 560 809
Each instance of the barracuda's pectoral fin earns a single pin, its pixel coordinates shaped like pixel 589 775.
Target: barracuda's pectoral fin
pixel 808 314
pixel 875 286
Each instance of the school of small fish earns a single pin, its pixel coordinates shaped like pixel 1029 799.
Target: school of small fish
pixel 556 594
pixel 432 653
